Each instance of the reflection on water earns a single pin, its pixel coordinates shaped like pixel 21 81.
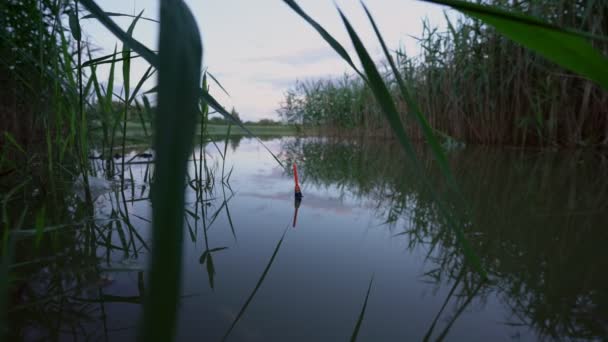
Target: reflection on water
pixel 537 223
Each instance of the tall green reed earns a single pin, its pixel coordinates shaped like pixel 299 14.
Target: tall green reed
pixel 178 97
pixel 476 83
pixel 387 105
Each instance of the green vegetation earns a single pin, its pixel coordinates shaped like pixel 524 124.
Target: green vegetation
pixel 536 225
pixel 259 130
pixel 39 103
pixel 138 134
pixel 471 84
pixel 475 85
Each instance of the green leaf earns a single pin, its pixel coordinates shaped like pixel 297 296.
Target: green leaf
pixel 74 25
pixel 328 38
pixel 212 102
pixel 257 286
pixel 355 333
pixel 126 57
pixel 106 21
pixel 115 14
pixel 210 270
pixel 110 87
pixel 104 60
pixel 14 142
pixel 141 118
pixel 217 82
pixel 179 68
pixel 414 110
pixel 152 58
pixel 148 110
pixel 389 109
pixel 568 48
pixel 384 99
pixel 149 73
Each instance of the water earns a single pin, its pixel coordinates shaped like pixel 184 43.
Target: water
pixel 537 226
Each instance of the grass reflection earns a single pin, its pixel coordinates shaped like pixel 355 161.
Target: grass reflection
pixel 537 225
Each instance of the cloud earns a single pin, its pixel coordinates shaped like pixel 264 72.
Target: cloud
pixel 302 57
pixel 285 82
pixel 276 82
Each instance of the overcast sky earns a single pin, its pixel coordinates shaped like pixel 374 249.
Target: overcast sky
pixel 259 48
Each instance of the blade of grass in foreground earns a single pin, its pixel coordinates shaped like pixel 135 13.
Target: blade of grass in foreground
pixel 328 37
pixel 384 98
pixel 114 14
pixel 152 58
pixel 385 101
pixel 221 110
pixel 362 314
pixel 217 82
pixel 567 48
pixel 257 286
pixel 136 46
pixel 178 83
pixel 126 74
pixel 438 153
pixel 414 110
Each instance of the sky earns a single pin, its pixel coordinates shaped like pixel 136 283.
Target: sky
pixel 257 49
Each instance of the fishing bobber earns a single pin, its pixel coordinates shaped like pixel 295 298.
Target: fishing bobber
pixel 298 192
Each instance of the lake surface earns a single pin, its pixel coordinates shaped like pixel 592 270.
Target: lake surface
pixel 534 222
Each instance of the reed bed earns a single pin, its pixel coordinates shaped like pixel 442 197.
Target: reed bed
pixel 475 85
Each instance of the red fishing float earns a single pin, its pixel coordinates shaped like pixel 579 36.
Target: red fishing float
pixel 298 192
pixel 298 195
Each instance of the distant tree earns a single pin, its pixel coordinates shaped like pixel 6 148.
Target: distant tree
pixel 236 115
pixel 268 122
pixel 217 120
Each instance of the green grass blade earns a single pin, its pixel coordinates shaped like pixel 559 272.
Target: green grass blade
pixel 389 109
pixel 414 109
pixel 110 86
pixel 212 102
pixel 179 66
pixel 148 110
pixel 152 58
pixel 126 58
pixel 567 48
pixel 210 270
pixel 380 91
pixel 355 333
pixel 149 73
pixel 225 150
pixel 217 82
pixel 142 121
pixel 126 75
pixel 14 142
pixel 106 21
pixel 209 100
pixel 74 25
pixel 105 60
pixel 257 286
pixel 328 37
pixel 429 332
pixel 115 14
pixel 207 258
pixel 230 220
pixel 512 16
